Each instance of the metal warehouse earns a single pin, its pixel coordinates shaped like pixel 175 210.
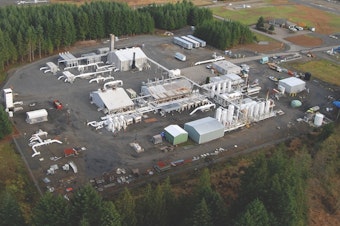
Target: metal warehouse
pixel 123 58
pixel 112 100
pixel 204 130
pixel 226 67
pixel 175 134
pixel 292 85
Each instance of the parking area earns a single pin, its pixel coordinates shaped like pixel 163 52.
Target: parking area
pixel 95 155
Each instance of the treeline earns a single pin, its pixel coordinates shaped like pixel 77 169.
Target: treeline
pixel 175 16
pixel 5 123
pixel 272 192
pixel 224 34
pixel 28 32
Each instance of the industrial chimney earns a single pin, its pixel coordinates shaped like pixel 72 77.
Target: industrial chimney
pixel 112 42
pixel 133 66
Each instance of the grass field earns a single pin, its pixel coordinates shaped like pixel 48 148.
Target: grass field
pixel 324 22
pixel 321 69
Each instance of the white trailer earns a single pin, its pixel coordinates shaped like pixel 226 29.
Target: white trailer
pixel 183 43
pixel 36 116
pixel 195 43
pixel 180 56
pixel 8 96
pixel 202 43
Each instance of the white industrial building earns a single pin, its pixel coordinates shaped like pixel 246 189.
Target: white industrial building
pixel 68 59
pixel 167 90
pixel 123 58
pixel 225 67
pixel 204 130
pixel 292 85
pixel 112 100
pixel 91 58
pixel 36 116
pixel 175 134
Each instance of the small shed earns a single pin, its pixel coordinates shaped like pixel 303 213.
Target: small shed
pixel 175 134
pixel 292 85
pixel 36 116
pixel 204 130
pixel 157 139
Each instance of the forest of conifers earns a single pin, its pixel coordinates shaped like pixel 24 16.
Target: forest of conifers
pixel 30 32
pixel 271 192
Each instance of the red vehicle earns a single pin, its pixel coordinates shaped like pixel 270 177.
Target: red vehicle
pixel 57 104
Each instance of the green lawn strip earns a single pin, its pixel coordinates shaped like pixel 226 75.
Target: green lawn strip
pixel 250 16
pixel 321 69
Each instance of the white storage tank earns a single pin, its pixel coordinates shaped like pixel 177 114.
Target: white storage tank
pixel 230 113
pixel 318 120
pixel 218 88
pixel 261 108
pixel 256 109
pixel 267 108
pixel 218 114
pixel 224 116
pixel 224 87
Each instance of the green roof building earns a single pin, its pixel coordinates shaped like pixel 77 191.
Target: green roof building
pixel 175 134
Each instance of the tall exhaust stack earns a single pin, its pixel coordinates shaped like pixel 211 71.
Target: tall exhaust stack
pixel 112 42
pixel 133 66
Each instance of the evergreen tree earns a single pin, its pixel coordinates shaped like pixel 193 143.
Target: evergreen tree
pixel 260 23
pixel 255 214
pixel 109 215
pixel 202 215
pixel 5 124
pixel 10 213
pixel 51 210
pixel 126 206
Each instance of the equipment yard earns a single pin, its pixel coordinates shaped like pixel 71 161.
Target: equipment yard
pixel 79 143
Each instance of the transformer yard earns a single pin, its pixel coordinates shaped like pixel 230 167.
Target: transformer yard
pixel 115 115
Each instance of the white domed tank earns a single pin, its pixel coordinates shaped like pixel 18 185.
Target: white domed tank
pixel 261 108
pixel 224 116
pixel 266 110
pixel 229 86
pixel 218 114
pixel 318 120
pixel 256 109
pixel 218 88
pixel 224 87
pixel 251 111
pixel 230 113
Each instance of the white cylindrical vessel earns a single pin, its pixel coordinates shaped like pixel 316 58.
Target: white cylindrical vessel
pixel 229 86
pixel 218 114
pixel 230 113
pixel 224 116
pixel 318 120
pixel 251 111
pixel 224 87
pixel 218 88
pixel 256 109
pixel 261 108
pixel 266 109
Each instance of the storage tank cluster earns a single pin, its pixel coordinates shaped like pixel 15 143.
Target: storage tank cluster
pixel 221 87
pixel 225 115
pixel 121 122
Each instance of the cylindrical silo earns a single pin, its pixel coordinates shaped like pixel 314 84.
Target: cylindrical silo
pixel 261 108
pixel 218 114
pixel 229 86
pixel 318 120
pixel 266 109
pixel 256 109
pixel 218 88
pixel 224 87
pixel 230 113
pixel 224 116
pixel 251 111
